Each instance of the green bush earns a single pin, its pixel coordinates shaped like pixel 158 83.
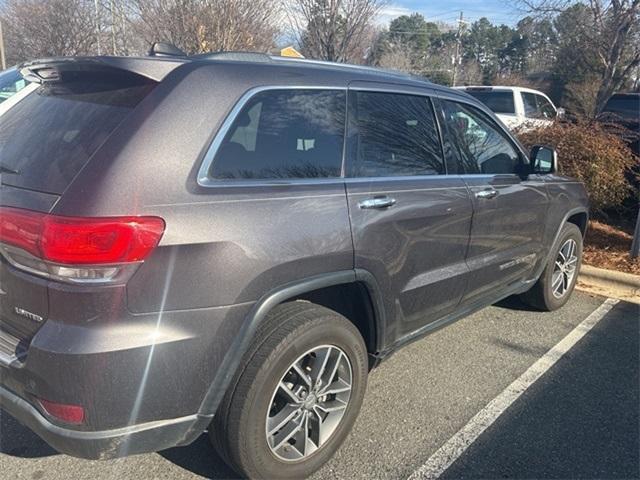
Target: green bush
pixel 594 156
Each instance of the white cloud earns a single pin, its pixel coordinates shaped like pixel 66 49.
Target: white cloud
pixel 390 12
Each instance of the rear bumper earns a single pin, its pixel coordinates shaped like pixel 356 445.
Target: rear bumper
pixel 105 444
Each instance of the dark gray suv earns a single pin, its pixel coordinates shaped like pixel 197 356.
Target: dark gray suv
pixel 232 242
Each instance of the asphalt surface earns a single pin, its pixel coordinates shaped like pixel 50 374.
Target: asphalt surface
pixel 580 420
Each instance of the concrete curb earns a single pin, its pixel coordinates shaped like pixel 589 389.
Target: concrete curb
pixel 626 284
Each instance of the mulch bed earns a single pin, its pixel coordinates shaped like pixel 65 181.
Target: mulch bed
pixel 608 247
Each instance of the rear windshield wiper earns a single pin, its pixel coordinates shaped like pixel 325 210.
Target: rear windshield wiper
pixel 4 169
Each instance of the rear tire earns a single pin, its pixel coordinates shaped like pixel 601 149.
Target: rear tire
pixel 278 381
pixel 558 280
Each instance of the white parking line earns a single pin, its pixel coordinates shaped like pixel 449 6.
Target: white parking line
pixel 448 453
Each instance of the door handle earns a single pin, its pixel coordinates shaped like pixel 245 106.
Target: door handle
pixel 487 194
pixel 377 203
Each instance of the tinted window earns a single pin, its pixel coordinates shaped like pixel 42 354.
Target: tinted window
pixel 50 135
pixel 626 106
pixel 284 134
pixel 393 135
pixel 498 102
pixel 481 147
pixel 530 105
pixel 546 109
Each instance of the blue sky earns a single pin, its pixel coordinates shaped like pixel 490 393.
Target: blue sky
pixel 498 11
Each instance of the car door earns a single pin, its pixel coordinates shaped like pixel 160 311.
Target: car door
pixel 410 220
pixel 509 205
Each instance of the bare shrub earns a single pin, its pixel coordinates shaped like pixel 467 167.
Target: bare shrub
pixel 592 155
pixel 581 98
pixel 198 26
pixel 48 28
pixel 333 30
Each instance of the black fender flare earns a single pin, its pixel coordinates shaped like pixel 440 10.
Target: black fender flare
pixel 552 245
pixel 259 311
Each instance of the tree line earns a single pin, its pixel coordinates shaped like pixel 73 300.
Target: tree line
pixel 579 52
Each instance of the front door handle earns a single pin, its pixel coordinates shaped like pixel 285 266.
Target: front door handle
pixel 377 203
pixel 488 193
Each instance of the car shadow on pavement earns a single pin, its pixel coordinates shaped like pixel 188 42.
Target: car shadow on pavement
pixel 200 458
pixel 580 420
pixel 514 303
pixel 18 441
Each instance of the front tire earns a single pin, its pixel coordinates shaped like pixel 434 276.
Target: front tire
pixel 558 280
pixel 297 396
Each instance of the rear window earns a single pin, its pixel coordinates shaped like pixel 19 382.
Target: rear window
pixel 626 106
pixel 497 102
pixel 48 137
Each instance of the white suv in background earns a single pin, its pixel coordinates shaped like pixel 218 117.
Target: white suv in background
pixel 516 106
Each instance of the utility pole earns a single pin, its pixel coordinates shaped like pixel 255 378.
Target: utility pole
pixel 456 59
pixel 3 57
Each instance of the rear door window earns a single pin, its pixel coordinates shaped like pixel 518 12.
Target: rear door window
pixel 48 137
pixel 293 133
pixel 393 135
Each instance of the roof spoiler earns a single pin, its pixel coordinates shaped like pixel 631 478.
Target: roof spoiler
pixel 50 70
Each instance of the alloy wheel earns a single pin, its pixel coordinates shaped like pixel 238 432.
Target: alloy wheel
pixel 564 269
pixel 308 403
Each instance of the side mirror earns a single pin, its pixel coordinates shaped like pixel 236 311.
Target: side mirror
pixel 544 160
pixel 562 113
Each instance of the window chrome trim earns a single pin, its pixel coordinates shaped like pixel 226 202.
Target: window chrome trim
pixel 204 180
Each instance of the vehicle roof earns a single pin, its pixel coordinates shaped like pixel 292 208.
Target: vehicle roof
pixel 158 67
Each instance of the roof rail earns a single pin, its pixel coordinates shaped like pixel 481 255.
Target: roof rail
pixel 235 56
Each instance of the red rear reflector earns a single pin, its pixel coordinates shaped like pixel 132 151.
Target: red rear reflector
pixel 67 413
pixel 80 241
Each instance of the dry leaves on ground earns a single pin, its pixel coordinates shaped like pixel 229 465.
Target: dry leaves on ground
pixel 608 247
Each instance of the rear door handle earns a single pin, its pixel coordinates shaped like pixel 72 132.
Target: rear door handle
pixel 488 193
pixel 377 203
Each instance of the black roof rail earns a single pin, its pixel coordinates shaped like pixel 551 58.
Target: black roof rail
pixel 255 57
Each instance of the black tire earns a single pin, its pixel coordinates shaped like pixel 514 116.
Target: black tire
pixel 541 295
pixel 238 431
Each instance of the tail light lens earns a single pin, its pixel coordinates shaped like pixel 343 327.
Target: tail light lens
pixel 101 249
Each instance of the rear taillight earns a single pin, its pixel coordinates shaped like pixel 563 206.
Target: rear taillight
pixel 101 249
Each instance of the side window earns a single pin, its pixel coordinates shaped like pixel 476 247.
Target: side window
pixel 393 135
pixel 284 134
pixel 530 105
pixel 482 148
pixel 546 109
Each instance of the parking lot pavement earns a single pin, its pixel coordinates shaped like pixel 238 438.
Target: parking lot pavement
pixel 580 420
pixel 582 410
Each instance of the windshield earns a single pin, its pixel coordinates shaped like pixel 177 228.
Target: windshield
pixel 498 102
pixel 48 137
pixel 11 82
